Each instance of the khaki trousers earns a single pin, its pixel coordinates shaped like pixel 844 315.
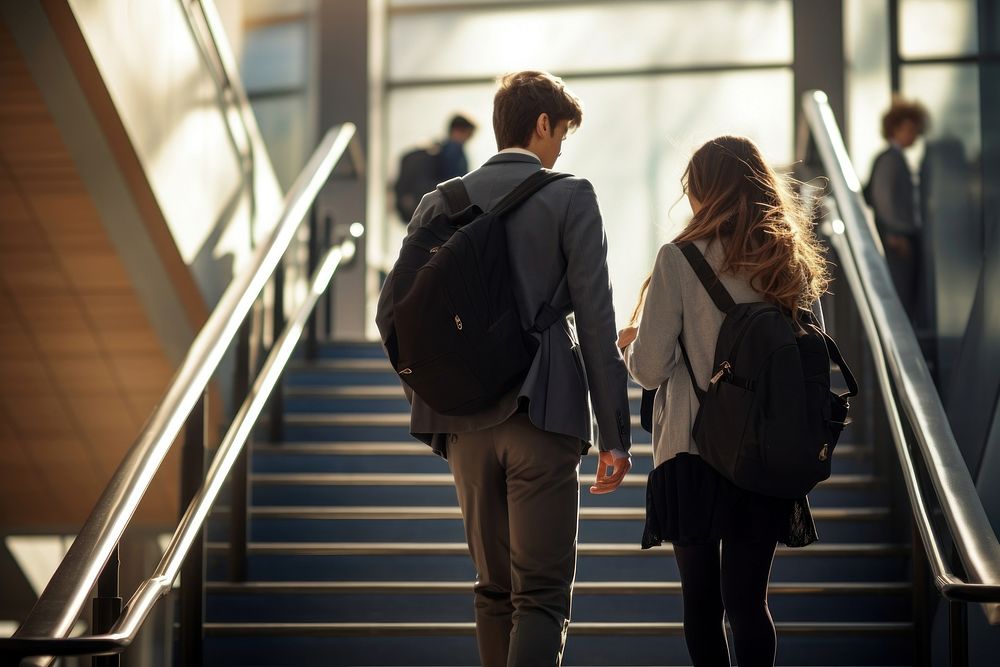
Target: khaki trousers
pixel 519 490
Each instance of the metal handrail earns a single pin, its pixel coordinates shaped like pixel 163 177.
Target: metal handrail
pixel 54 614
pixel 161 581
pixel 901 371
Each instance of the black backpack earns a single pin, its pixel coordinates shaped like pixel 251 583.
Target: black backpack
pixel 768 421
pixel 419 173
pixel 457 339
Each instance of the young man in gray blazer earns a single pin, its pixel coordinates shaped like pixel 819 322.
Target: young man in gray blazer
pixel 516 464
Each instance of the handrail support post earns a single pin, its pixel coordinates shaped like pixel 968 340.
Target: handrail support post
pixel 277 404
pixel 192 594
pixel 958 633
pixel 239 481
pixel 108 606
pixel 312 335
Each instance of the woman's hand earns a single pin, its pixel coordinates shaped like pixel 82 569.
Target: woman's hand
pixel 626 336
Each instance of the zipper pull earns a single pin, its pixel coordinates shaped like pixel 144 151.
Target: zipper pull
pixel 724 369
pixel 458 322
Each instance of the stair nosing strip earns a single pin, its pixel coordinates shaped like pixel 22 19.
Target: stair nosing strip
pixel 435 512
pixel 417 448
pixel 445 479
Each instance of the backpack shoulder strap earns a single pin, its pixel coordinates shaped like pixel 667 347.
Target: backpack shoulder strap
pixel 837 358
pixel 698 391
pixel 720 296
pixel 525 189
pixel 456 196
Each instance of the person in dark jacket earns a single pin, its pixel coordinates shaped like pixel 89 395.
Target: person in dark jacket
pixel 893 197
pixel 451 158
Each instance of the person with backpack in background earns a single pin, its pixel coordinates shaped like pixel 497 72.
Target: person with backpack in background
pixel 422 168
pixel 724 334
pixel 513 437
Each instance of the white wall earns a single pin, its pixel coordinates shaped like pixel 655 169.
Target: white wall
pixel 169 105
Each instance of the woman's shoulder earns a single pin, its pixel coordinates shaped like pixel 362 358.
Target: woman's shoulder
pixel 668 254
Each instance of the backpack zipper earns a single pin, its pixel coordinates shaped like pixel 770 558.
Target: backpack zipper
pixel 724 369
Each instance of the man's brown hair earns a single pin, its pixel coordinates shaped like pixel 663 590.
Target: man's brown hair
pixel 900 112
pixel 522 98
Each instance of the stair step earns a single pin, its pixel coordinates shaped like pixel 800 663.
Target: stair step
pixel 575 629
pixel 414 457
pixel 277 491
pixel 593 549
pixel 631 602
pixel 423 561
pixel 369 391
pixel 434 524
pixel 412 447
pixel 579 588
pixel 663 645
pixel 432 479
pixel 440 513
pixel 581 650
pixel 335 426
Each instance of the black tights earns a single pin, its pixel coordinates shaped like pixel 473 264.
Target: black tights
pixel 735 584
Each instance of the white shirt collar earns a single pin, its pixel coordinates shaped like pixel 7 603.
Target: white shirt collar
pixel 520 151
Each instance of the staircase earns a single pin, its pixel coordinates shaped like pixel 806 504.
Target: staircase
pixel 357 553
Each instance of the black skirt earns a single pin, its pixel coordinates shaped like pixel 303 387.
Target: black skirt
pixel 689 502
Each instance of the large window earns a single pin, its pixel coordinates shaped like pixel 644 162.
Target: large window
pixel 941 69
pixel 657 79
pixel 278 64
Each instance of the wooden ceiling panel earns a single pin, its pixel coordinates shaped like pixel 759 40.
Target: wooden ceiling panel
pixel 96 271
pixel 121 323
pixel 104 413
pixel 38 417
pixel 31 272
pixel 57 322
pixel 143 373
pixel 86 375
pixel 70 223
pixel 80 365
pixel 15 342
pixel 143 402
pixel 25 376
pixel 18 236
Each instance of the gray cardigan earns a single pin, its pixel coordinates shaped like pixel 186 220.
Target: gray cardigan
pixel 677 305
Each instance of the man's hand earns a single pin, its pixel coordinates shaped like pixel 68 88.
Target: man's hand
pixel 610 472
pixel 626 336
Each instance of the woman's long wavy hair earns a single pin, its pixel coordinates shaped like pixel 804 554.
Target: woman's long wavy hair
pixel 765 231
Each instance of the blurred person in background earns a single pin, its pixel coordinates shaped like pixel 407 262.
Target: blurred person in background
pixel 892 194
pixel 422 168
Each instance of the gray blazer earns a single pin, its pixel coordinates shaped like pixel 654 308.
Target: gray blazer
pixel 558 255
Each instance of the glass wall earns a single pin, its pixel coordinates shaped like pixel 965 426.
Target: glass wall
pixel 940 68
pixel 657 79
pixel 278 64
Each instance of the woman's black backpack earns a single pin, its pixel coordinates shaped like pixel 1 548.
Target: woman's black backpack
pixel 456 336
pixel 768 421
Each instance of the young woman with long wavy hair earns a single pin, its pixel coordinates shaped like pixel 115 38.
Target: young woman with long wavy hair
pixel 758 238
